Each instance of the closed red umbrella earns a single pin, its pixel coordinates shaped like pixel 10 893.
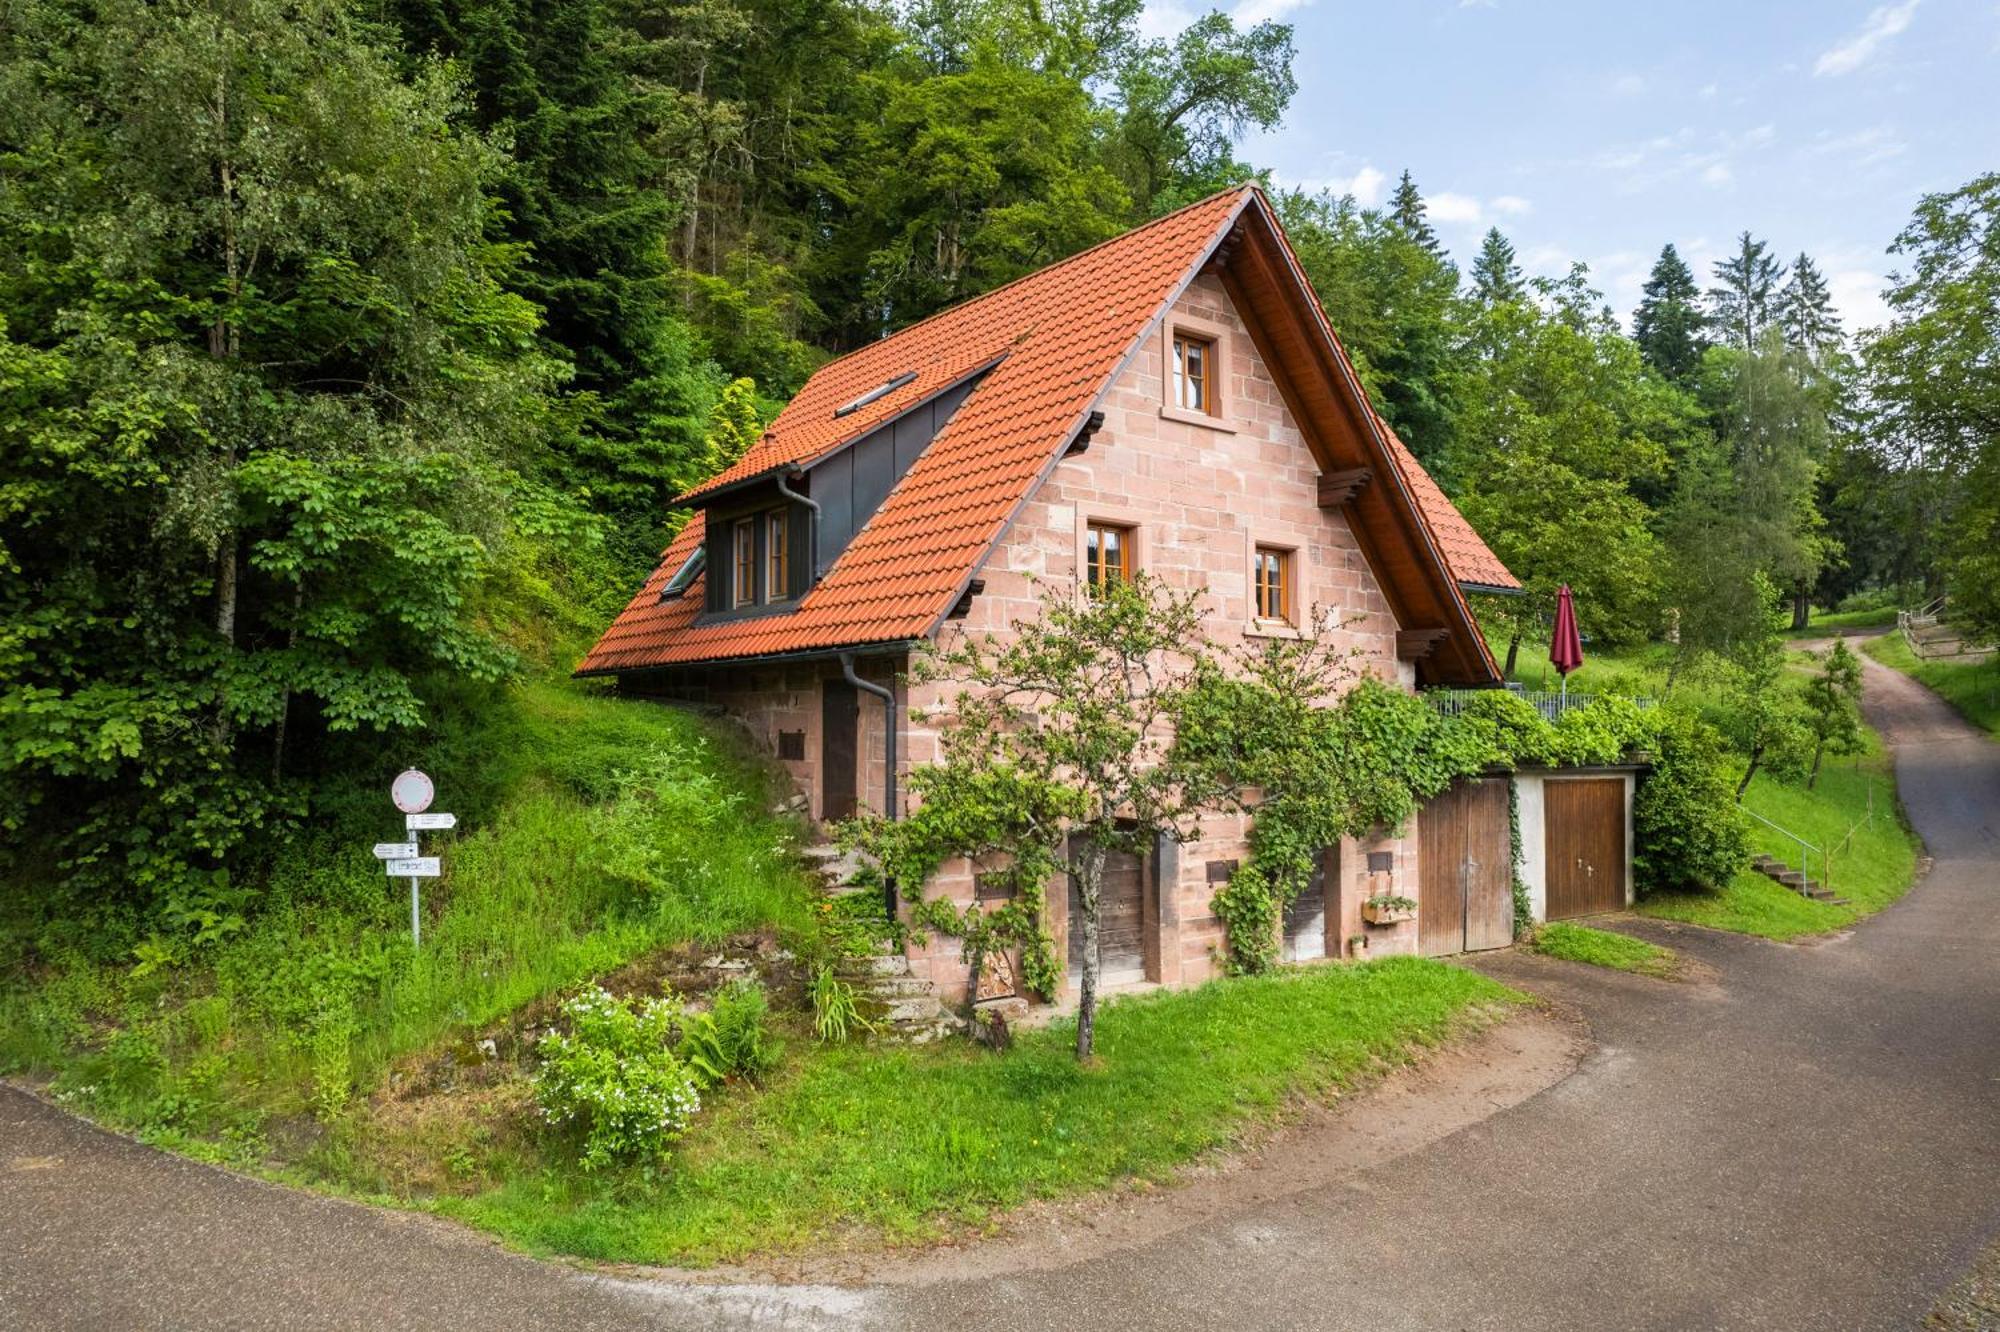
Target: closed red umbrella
pixel 1565 644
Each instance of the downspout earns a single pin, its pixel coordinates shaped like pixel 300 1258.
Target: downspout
pixel 888 697
pixel 812 523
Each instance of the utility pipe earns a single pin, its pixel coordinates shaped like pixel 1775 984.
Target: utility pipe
pixel 812 523
pixel 888 697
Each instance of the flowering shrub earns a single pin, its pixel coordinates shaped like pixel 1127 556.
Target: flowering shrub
pixel 614 1077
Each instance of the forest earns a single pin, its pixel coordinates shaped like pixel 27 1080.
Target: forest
pixel 351 351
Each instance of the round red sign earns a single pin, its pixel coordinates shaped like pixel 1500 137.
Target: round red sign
pixel 412 791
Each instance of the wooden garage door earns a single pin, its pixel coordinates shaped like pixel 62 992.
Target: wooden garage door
pixel 1465 897
pixel 1585 827
pixel 1120 919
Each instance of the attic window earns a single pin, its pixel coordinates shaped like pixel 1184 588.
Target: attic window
pixel 874 394
pixel 677 586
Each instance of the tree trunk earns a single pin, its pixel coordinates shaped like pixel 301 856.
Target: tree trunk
pixel 1801 607
pixel 1513 654
pixel 1819 751
pixel 1089 880
pixel 1756 757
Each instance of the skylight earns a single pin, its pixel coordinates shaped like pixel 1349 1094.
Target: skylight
pixel 881 391
pixel 677 586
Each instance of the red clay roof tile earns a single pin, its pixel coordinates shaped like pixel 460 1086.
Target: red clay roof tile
pixel 1054 339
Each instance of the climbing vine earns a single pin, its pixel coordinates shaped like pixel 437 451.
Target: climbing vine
pixel 1524 907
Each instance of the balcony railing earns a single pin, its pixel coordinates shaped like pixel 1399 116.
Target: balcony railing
pixel 1549 702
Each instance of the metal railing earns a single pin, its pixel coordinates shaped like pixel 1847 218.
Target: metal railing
pixel 1806 850
pixel 1550 703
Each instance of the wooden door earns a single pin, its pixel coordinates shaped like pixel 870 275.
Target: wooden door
pixel 1585 831
pixel 1465 877
pixel 1120 923
pixel 839 749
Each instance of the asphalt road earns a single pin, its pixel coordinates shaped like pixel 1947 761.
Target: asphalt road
pixel 1811 1141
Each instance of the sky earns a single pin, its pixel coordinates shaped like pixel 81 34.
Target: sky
pixel 1599 130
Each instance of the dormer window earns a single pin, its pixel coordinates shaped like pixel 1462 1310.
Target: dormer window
pixel 744 537
pixel 757 558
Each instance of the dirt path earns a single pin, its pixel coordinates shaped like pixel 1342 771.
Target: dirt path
pixel 1810 1141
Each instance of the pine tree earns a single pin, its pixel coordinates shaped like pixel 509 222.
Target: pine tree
pixel 1743 303
pixel 1496 277
pixel 1805 311
pixel 1407 207
pixel 1668 323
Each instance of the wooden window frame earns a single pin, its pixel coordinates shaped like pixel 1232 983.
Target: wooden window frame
pixel 1190 345
pixel 777 555
pixel 743 562
pixel 1220 344
pixel 1282 559
pixel 1127 534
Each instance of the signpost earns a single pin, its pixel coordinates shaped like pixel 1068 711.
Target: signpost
pixel 412 793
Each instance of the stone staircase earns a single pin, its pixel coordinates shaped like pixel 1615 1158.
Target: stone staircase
pixel 1778 872
pixel 901 1006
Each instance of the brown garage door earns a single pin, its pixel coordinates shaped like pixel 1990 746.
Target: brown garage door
pixel 1465 897
pixel 1585 827
pixel 1120 912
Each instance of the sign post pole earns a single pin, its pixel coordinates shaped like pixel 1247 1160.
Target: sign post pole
pixel 412 793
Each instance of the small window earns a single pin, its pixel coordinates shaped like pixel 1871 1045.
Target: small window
pixel 1194 373
pixel 1272 581
pixel 792 746
pixel 746 563
pixel 1107 555
pixel 777 557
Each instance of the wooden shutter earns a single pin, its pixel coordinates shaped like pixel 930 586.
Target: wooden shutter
pixel 799 562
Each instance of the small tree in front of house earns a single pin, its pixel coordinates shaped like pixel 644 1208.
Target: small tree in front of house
pixel 1833 711
pixel 1057 752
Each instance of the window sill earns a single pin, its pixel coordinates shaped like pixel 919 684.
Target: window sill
pixel 1271 629
pixel 1186 417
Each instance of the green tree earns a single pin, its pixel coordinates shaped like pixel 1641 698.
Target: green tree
pixel 1833 707
pixel 1934 374
pixel 1560 423
pixel 1743 303
pixel 1496 277
pixel 1406 206
pixel 265 402
pixel 1757 710
pixel 1060 753
pixel 1668 322
pixel 1806 313
pixel 735 422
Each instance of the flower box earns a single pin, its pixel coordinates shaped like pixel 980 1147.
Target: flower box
pixel 1387 913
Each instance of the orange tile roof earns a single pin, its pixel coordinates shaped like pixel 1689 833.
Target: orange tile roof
pixel 1055 339
pixel 1471 561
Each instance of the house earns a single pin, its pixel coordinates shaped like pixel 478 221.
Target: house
pixel 1173 400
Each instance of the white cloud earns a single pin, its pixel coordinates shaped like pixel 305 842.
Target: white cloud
pixel 1366 185
pixel 1479 4
pixel 1511 205
pixel 1628 85
pixel 1858 49
pixel 1709 91
pixel 1449 207
pixel 1252 12
pixel 1166 18
pixel 1865 147
pixel 1716 174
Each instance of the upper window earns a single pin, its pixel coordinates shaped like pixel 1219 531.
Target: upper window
pixel 1194 373
pixel 1272 583
pixel 1107 555
pixel 777 556
pixel 745 537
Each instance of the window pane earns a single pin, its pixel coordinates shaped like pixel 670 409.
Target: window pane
pixel 746 563
pixel 777 559
pixel 1107 555
pixel 1197 377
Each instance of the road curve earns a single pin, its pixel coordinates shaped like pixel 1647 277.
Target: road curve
pixel 1810 1141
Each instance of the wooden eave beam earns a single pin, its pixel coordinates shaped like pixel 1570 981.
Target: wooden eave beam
pixel 1339 488
pixel 1418 644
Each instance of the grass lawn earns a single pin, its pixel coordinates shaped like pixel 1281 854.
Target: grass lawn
pixel 882 1142
pixel 1823 623
pixel 307 1006
pixel 1971 687
pixel 1874 854
pixel 1604 948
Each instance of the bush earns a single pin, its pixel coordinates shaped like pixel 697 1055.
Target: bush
pixel 1688 828
pixel 731 1039
pixel 614 1078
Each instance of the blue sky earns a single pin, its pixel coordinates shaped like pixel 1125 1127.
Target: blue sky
pixel 1600 129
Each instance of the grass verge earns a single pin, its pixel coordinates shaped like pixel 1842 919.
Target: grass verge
pixel 900 1144
pixel 1852 811
pixel 1605 948
pixel 1971 687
